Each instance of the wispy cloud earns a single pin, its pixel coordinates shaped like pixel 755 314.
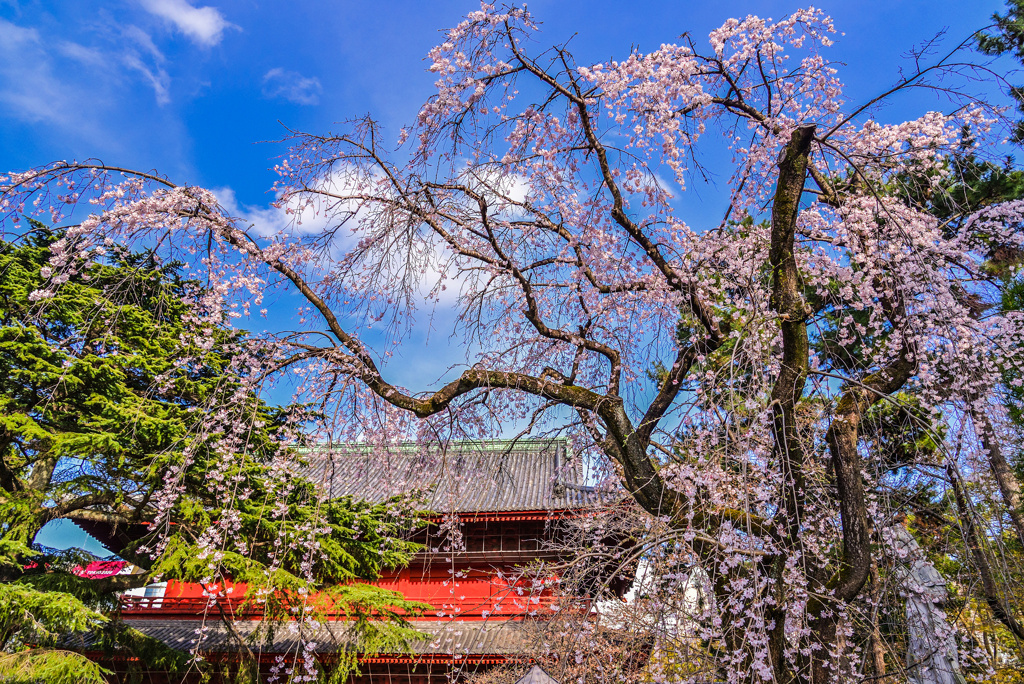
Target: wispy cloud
pixel 28 85
pixel 203 25
pixel 271 220
pixel 84 55
pixel 144 42
pixel 292 86
pixel 72 86
pixel 156 77
pixel 345 220
pixel 135 57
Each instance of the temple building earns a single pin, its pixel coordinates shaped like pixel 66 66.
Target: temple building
pixel 510 501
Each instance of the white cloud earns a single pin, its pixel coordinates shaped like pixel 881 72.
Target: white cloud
pixel 271 220
pixel 154 73
pixel 303 220
pixel 84 55
pixel 292 86
pixel 203 25
pixel 62 82
pixel 671 188
pixel 157 77
pixel 505 191
pixel 29 87
pixel 41 80
pixel 310 215
pixel 144 41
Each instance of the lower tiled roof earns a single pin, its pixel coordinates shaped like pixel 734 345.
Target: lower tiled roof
pixel 537 675
pixel 440 637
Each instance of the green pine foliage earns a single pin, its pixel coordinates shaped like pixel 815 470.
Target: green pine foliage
pixel 103 386
pixel 1006 36
pixel 52 666
pixel 31 618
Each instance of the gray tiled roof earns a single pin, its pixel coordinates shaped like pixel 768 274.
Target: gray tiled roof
pixel 525 475
pixel 498 637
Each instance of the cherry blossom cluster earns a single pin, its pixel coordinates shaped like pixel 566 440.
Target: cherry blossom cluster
pixel 543 203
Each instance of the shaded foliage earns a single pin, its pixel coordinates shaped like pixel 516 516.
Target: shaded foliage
pixel 105 392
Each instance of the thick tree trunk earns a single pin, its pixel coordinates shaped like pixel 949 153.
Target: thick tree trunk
pixel 875 655
pixel 788 303
pixel 842 438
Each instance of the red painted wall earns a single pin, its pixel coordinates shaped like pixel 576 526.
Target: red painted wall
pixel 483 581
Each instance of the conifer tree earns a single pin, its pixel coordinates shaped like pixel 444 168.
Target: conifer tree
pixel 101 396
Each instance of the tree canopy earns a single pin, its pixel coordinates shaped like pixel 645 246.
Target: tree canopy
pixel 767 386
pixel 105 394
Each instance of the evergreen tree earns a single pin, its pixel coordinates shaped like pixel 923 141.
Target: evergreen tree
pixel 106 406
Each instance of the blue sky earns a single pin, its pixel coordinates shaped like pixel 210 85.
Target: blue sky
pixel 190 89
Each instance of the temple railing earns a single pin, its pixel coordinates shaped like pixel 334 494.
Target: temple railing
pixel 186 605
pixel 509 604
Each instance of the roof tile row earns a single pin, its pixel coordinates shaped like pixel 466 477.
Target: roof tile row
pixel 524 475
pixel 440 637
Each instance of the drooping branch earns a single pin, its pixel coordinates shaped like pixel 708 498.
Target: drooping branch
pixel 842 437
pixel 1009 485
pixel 672 384
pixel 1001 609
